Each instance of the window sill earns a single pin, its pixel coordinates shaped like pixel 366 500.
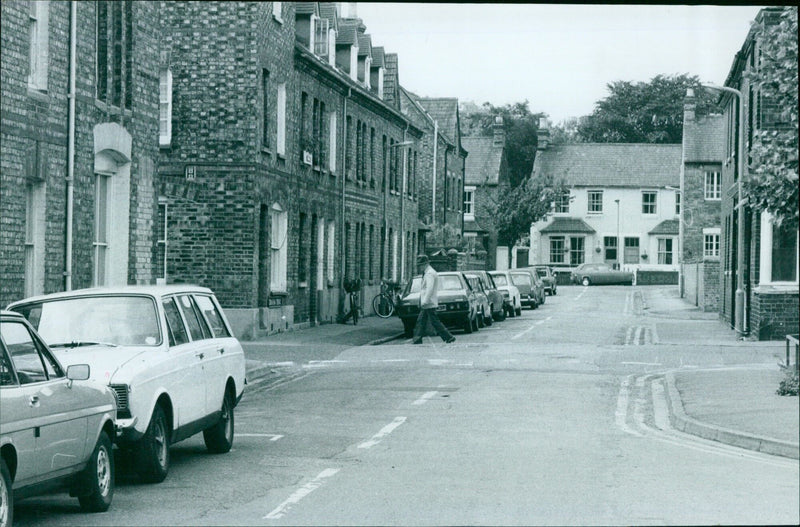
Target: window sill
pixel 282 156
pixel 266 150
pixel 331 283
pixel 278 293
pixel 40 95
pixel 302 285
pixel 777 288
pixel 278 19
pixel 712 199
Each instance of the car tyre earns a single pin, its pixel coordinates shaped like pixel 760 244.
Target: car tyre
pixel 480 319
pixel 501 315
pixel 98 477
pixel 153 449
pixel 468 327
pixel 519 311
pixel 585 281
pixel 6 496
pixel 219 438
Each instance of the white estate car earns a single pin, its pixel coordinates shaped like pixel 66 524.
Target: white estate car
pixel 167 352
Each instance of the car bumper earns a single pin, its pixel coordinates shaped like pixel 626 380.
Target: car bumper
pixel 126 430
pixel 527 300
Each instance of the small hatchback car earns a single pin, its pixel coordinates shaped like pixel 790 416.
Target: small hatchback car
pixel 167 352
pixel 55 427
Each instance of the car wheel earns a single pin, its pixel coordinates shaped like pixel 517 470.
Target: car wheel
pixel 408 328
pixel 501 315
pixel 555 291
pixel 219 438
pixel 519 311
pixel 6 496
pixel 468 325
pixel 153 449
pixel 480 319
pixel 585 281
pixel 98 477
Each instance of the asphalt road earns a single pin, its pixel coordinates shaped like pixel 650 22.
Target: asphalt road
pixel 555 417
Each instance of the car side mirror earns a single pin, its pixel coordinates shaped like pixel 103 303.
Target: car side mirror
pixel 78 372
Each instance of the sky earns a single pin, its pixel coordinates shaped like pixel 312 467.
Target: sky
pixel 558 57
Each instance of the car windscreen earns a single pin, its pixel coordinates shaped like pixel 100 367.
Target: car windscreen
pixel 521 279
pixel 450 283
pixel 500 279
pixel 118 320
pixel 415 286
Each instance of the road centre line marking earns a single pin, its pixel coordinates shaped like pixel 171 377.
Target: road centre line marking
pixel 424 397
pixel 390 360
pixel 300 493
pixel 642 363
pixel 273 437
pixel 518 335
pixel 385 431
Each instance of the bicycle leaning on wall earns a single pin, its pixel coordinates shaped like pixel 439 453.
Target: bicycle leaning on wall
pixel 384 302
pixel 352 287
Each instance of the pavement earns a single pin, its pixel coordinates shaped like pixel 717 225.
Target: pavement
pixel 735 404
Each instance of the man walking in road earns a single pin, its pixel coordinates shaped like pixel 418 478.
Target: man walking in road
pixel 428 302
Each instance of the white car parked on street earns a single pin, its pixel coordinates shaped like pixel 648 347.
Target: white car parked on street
pixel 503 281
pixel 168 354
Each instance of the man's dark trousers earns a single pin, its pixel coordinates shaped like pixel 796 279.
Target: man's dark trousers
pixel 428 315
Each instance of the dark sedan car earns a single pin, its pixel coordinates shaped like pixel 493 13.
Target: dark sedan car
pixel 600 273
pixel 531 288
pixel 496 299
pixel 548 277
pixel 458 306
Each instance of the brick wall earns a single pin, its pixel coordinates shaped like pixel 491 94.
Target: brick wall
pixel 37 122
pixel 774 315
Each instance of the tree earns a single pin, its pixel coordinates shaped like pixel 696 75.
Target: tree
pixel 520 126
pixel 519 207
pixel 643 112
pixel 772 180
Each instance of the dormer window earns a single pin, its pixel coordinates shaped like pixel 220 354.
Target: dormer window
pixel 321 37
pixel 380 82
pixel 367 67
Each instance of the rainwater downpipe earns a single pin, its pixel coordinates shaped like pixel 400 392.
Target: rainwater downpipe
pixel 435 157
pixel 342 238
pixel 403 248
pixel 73 31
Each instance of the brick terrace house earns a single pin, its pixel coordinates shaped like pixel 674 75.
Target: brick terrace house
pixel 284 169
pixel 700 207
pixel 622 207
pixel 767 274
pixel 441 198
pixel 77 182
pixel 486 170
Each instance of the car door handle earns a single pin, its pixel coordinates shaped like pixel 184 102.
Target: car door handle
pixel 221 350
pixel 200 355
pixel 34 400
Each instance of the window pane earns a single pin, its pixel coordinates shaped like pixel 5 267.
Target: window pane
pixel 213 316
pixel 784 253
pixel 192 318
pixel 23 352
pixel 177 331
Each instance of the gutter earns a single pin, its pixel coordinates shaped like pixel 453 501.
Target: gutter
pixel 73 31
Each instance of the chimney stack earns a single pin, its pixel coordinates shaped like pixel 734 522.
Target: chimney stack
pixel 689 106
pixel 499 132
pixel 542 134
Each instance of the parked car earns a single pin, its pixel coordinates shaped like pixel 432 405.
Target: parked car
pixel 600 273
pixel 458 305
pixel 530 287
pixel 484 306
pixel 511 296
pixel 56 428
pixel 167 352
pixel 548 278
pixel 496 299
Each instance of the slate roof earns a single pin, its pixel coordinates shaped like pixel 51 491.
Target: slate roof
pixel 348 33
pixel 305 8
pixel 704 139
pixel 328 10
pixel 568 225
pixel 611 164
pixel 364 45
pixel 483 162
pixel 666 227
pixel 445 111
pixel 377 57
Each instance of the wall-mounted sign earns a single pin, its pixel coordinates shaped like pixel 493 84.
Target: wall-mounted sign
pixel 190 172
pixel 308 157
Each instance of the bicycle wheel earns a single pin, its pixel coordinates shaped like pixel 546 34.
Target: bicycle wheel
pixel 383 305
pixel 354 307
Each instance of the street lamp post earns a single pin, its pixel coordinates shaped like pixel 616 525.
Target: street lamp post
pixel 739 305
pixel 619 248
